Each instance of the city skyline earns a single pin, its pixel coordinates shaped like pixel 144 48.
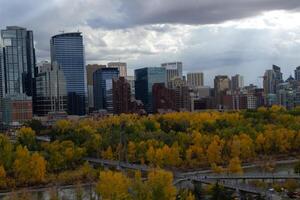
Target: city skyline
pixel 255 36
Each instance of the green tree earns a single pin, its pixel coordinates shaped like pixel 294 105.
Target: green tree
pixel 26 137
pixel 6 152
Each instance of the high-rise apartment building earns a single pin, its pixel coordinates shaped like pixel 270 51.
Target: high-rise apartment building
pixel 269 82
pixel 221 85
pixel 237 82
pixel 51 92
pixel 68 51
pixel 164 99
pixel 173 70
pixel 144 80
pixel 121 95
pixel 90 69
pixel 195 79
pixel 297 74
pixel 17 63
pixel 122 67
pixel 131 81
pixel 103 88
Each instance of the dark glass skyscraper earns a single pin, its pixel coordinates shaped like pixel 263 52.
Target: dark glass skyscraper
pixel 68 51
pixel 17 63
pixel 103 88
pixel 144 80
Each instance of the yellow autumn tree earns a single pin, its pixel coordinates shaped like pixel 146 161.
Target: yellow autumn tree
pixel 38 166
pixel 194 156
pixel 113 186
pixel 214 150
pixel 28 169
pixel 235 166
pixel 131 152
pixel 21 166
pixel 108 154
pixel 150 155
pixel 161 185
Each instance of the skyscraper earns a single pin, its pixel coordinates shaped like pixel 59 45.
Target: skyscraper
pixel 195 79
pixel 144 80
pixel 51 92
pixel 269 83
pixel 103 88
pixel 122 67
pixel 68 51
pixel 221 85
pixel 237 82
pixel 17 63
pixel 297 74
pixel 131 81
pixel 90 69
pixel 173 70
pixel 121 95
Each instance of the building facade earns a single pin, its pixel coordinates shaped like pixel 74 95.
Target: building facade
pixel 173 70
pixel 90 69
pixel 237 82
pixel 221 85
pixel 51 92
pixel 122 67
pixel 103 88
pixel 195 80
pixel 17 63
pixel 68 51
pixel 145 78
pixel 121 95
pixel 297 74
pixel 164 99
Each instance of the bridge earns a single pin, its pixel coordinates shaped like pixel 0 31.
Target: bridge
pixel 240 188
pixel 118 164
pixel 258 176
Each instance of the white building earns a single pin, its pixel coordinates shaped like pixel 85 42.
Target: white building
pixel 122 67
pixel 195 79
pixel 173 70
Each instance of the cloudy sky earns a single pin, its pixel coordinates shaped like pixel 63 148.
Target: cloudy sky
pixel 212 36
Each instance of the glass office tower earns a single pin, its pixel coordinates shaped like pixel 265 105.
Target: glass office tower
pixel 103 94
pixel 68 51
pixel 18 60
pixel 144 81
pixel 17 63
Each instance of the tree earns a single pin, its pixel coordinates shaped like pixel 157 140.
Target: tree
pixel 220 193
pixel 29 169
pixel 26 137
pixel 140 190
pixel 235 166
pixel 108 154
pixel 38 166
pixel 35 125
pixel 2 177
pixel 214 150
pixel 6 152
pixel 161 185
pixel 151 155
pixel 21 167
pixel 113 186
pixel 131 152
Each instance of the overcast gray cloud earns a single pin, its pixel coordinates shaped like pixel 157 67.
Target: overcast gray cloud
pixel 214 36
pixel 141 12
